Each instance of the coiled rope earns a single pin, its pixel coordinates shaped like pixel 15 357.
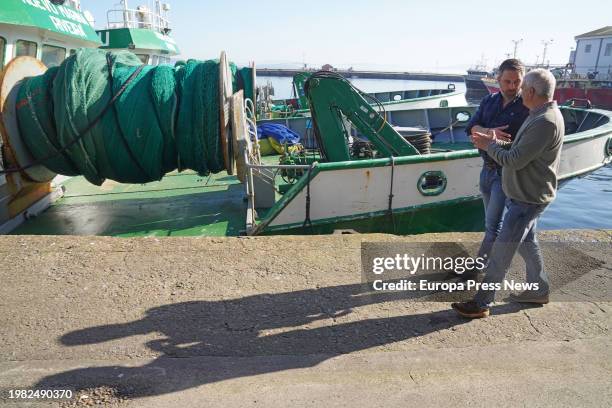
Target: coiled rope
pixel 105 116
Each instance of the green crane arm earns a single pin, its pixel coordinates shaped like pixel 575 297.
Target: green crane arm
pixel 332 98
pixel 299 80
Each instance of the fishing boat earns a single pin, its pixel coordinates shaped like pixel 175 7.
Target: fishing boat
pixel 45 30
pixel 298 106
pixel 400 172
pixel 574 90
pixel 144 32
pixel 473 79
pixel 51 31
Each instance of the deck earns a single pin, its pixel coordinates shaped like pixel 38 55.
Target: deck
pixel 181 204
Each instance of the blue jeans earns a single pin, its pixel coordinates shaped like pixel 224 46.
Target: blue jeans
pixel 494 200
pixel 518 233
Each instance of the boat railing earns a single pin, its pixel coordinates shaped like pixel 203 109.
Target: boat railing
pixel 137 18
pixel 263 172
pixel 75 4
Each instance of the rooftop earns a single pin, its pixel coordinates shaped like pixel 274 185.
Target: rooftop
pixel 601 32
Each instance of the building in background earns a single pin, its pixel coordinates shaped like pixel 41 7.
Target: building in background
pixel 593 53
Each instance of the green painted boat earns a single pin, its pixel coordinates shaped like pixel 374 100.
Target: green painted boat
pixel 44 30
pixel 52 32
pixel 392 188
pixel 143 31
pixel 431 192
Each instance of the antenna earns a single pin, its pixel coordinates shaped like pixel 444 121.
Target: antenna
pixel 516 43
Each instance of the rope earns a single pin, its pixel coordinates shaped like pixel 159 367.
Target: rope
pixel 80 135
pixel 138 122
pixel 390 208
pixel 307 217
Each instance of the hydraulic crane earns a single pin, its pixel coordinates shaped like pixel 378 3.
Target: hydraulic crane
pixel 333 99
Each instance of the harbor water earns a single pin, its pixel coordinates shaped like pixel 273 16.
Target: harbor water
pixel 582 203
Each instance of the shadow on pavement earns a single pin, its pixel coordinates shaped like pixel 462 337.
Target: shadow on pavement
pixel 255 327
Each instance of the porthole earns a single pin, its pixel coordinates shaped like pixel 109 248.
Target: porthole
pixel 463 116
pixel 432 183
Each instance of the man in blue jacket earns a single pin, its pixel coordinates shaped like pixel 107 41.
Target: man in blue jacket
pixel 502 113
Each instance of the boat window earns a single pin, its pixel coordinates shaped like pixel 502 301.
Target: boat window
pixel 608 51
pixel 25 48
pixel 154 60
pixel 52 56
pixel 587 48
pixel 2 48
pixel 432 183
pixel 144 58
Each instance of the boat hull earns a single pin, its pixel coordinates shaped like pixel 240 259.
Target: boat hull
pixel 415 99
pixel 436 101
pixel 357 193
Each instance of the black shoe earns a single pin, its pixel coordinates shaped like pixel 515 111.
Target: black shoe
pixel 470 310
pixel 529 297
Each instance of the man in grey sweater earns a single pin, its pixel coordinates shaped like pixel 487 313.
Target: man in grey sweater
pixel 529 180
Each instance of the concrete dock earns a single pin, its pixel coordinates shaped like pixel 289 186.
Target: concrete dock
pixel 279 321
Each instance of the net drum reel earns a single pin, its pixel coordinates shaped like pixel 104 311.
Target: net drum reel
pixel 24 181
pixel 89 133
pixel 17 154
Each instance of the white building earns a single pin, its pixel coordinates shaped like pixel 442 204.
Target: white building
pixel 593 52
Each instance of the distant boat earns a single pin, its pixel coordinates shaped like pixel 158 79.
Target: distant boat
pixel 388 100
pixel 473 79
pixel 580 91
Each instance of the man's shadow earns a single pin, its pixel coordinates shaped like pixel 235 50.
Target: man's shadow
pixel 240 328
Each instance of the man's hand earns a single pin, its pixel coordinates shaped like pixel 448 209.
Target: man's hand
pixel 499 133
pixel 482 140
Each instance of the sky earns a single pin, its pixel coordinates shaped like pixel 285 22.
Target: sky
pixel 401 35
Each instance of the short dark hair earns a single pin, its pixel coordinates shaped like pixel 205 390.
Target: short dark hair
pixel 511 64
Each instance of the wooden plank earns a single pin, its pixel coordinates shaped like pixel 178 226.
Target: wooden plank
pixel 225 94
pixel 241 142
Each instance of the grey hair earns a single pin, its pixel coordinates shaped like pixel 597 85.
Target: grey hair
pixel 542 80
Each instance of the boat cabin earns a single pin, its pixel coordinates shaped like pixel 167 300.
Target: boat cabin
pixel 144 32
pixel 44 30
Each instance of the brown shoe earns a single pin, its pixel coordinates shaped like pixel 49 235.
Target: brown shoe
pixel 529 297
pixel 470 310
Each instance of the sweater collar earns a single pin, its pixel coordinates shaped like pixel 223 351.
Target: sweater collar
pixel 543 107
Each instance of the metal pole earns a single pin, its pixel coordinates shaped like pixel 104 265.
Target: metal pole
pixel 126 14
pixel 545 49
pixel 516 43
